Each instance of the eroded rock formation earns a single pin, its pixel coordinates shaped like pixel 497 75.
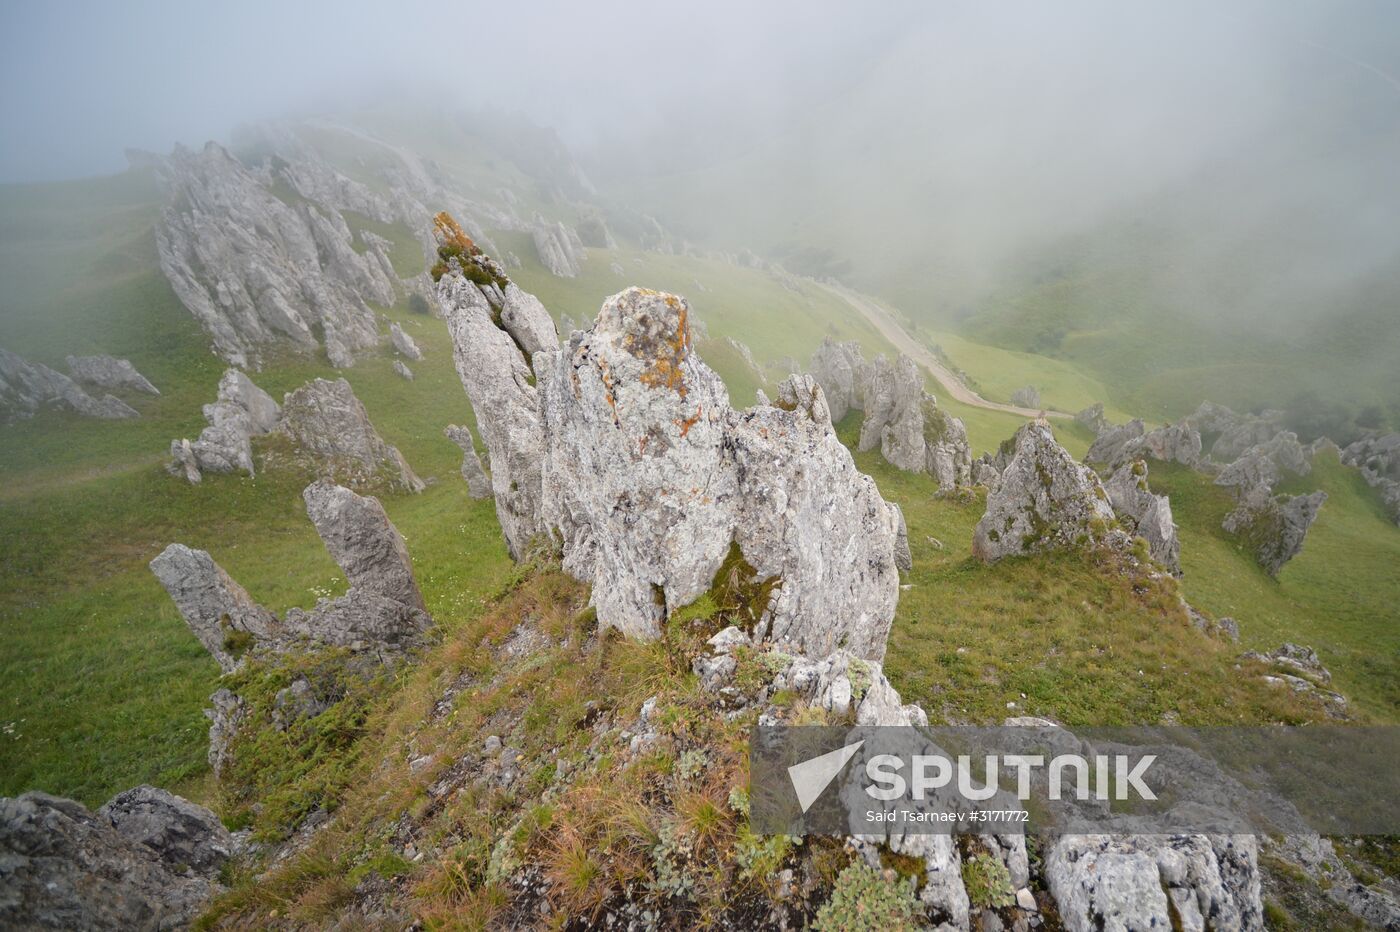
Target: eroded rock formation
pixel 404 343
pixel 1274 526
pixel 110 373
pixel 558 248
pixel 478 483
pixel 28 387
pixel 842 371
pixel 331 432
pixel 1044 500
pixel 1378 458
pixel 1144 513
pixel 240 412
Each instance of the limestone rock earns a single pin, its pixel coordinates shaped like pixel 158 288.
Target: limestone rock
pixel 257 271
pixel 1179 442
pixel 1093 418
pixel 903 558
pixel 185 836
pixel 1144 513
pixel 1044 500
pixel 404 343
pixel 892 399
pixel 1259 468
pixel 240 412
pixel 558 248
pixel 1274 525
pixel 1111 444
pixel 1131 882
pixel 27 387
pixel 842 372
pixel 363 542
pixel 499 380
pixel 226 716
pixel 362 621
pixel 1378 458
pixel 948 455
pixel 329 428
pixel 68 868
pixel 1233 433
pixel 1026 397
pixel 217 609
pixel 478 483
pixel 527 322
pixel 403 371
pixel 651 478
pixel 110 373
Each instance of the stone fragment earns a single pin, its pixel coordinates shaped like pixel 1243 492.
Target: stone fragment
pixel 1274 526
pixel 28 387
pixel 218 610
pixel 110 373
pixel 363 542
pixel 1378 458
pixel 403 342
pixel 478 483
pixel 330 429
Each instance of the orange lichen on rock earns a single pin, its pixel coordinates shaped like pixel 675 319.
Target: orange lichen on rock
pixel 665 370
pixel 449 233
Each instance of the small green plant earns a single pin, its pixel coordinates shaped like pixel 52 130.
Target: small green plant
pixel 988 882
pixel 866 899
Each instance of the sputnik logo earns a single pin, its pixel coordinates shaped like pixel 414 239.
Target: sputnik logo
pixel 814 775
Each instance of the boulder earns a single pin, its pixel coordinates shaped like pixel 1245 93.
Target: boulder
pixel 892 400
pixel 218 610
pixel 1111 444
pixel 1378 458
pixel 1093 418
pixel 185 836
pixel 1236 432
pixel 651 480
pixel 363 542
pixel 842 372
pixel 240 412
pixel 330 430
pixel 403 371
pixel 1147 515
pixel 1179 443
pixel 527 321
pixel 947 453
pixel 1274 526
pixel 1026 397
pixel 65 867
pixel 110 373
pixel 28 387
pixel 1044 500
pixel 1259 468
pixel 903 557
pixel 478 483
pixel 403 343
pixel 1132 882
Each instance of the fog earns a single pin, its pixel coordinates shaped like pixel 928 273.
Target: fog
pixel 904 145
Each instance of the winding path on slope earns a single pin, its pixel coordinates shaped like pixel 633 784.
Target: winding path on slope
pixel 891 330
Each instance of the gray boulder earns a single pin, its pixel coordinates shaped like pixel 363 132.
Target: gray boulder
pixel 842 371
pixel 558 248
pixel 892 413
pixel 1093 418
pixel 478 483
pixel 1043 501
pixel 1144 513
pixel 500 381
pixel 1026 397
pixel 1260 468
pixel 110 373
pixel 527 321
pixel 403 342
pixel 1274 526
pixel 28 387
pixel 1142 882
pixel 218 610
pixel 363 542
pixel 331 431
pixel 185 836
pixel 903 557
pixel 65 867
pixel 947 453
pixel 1179 443
pixel 402 371
pixel 1378 458
pixel 1239 432
pixel 240 412
pixel 1111 444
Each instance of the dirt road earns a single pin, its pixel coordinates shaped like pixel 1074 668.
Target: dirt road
pixel 890 328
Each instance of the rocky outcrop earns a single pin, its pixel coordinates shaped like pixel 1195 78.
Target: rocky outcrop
pixel 1026 397
pixel 255 270
pixel 404 343
pixel 558 248
pixel 1043 501
pixel 29 387
pixel 1298 668
pixel 500 382
pixel 1233 433
pixel 110 373
pixel 331 432
pixel 652 480
pixel 527 322
pixel 1155 882
pixel 947 453
pixel 1111 444
pixel 478 483
pixel 1378 458
pixel 1115 446
pixel 1259 469
pixel 402 371
pixel 218 610
pixel 1093 418
pixel 842 372
pixel 240 412
pixel 913 433
pixel 1145 514
pixel 146 860
pixel 1273 526
pixel 363 542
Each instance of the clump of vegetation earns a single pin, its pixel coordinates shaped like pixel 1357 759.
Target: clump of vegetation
pixel 867 900
pixel 988 881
